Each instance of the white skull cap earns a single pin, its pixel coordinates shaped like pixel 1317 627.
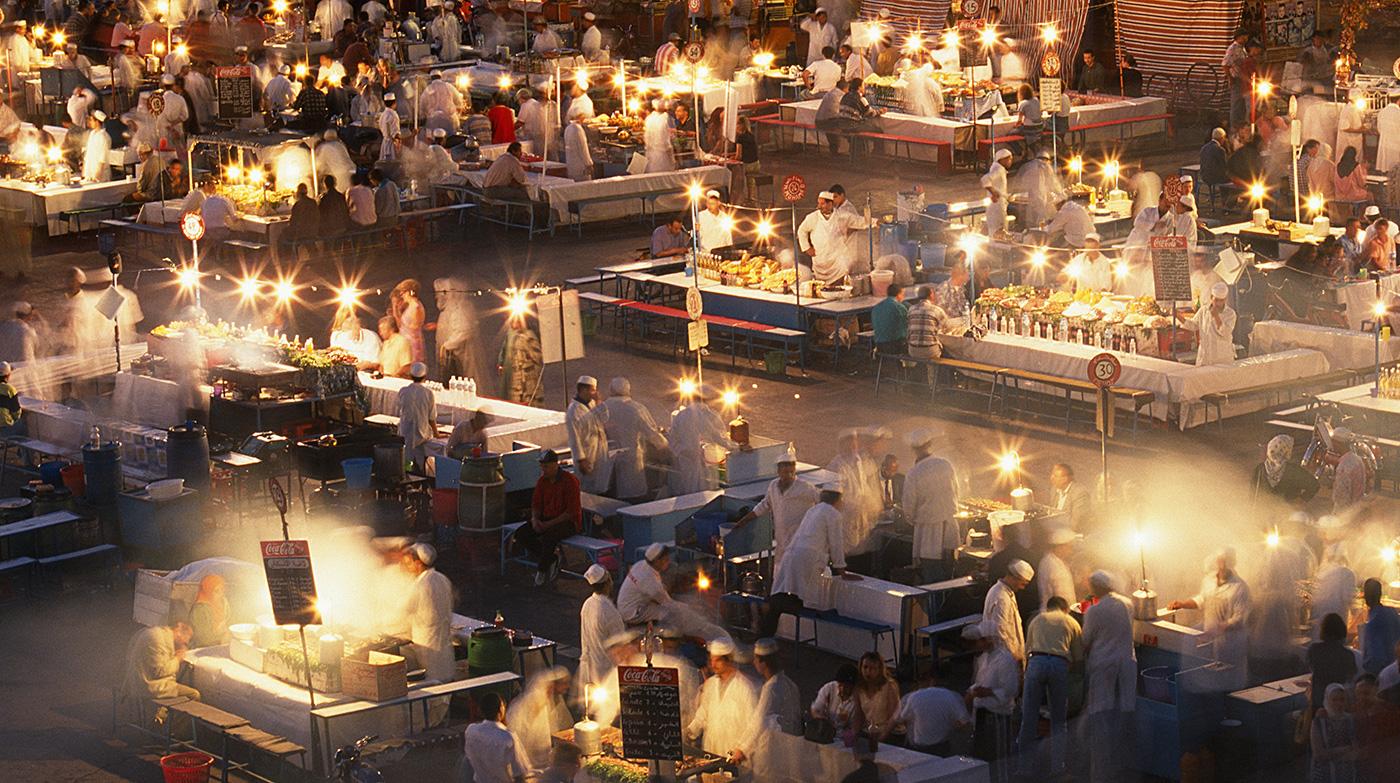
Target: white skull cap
pixel 655 551
pixel 1062 535
pixel 595 574
pixel 721 647
pixel 424 552
pixel 1022 570
pixel 587 380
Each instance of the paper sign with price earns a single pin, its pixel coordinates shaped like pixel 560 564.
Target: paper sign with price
pixel 699 333
pixel 290 582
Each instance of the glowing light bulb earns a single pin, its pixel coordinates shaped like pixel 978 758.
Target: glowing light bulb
pixel 504 82
pixel 1316 202
pixel 464 81
pixel 1039 259
pixel 279 7
pixel 634 105
pixel 1263 89
pixel 764 228
pixel 730 398
pixel 763 59
pixel 284 291
pixel 1009 462
pixel 1049 34
pixel 40 32
pixel 914 42
pixel 1257 191
pixel 988 36
pixel 686 387
pixel 695 191
pixel 950 39
pixel 517 304
pixel 55 154
pixel 233 173
pixel 188 277
pixel 1388 554
pixel 619 80
pixel 581 77
pixel 1076 165
pixel 1110 170
pixel 256 176
pixel 182 50
pixel 1272 539
pixel 726 222
pixel 347 296
pixel 702 582
pixel 1361 102
pixel 163 6
pixel 59 37
pixel 301 71
pixel 1120 269
pixel 598 694
pixel 248 287
pixel 1378 309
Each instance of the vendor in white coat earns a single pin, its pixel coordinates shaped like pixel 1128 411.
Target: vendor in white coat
pixel 1214 325
pixel 580 104
pixel 728 704
pixel 630 429
pixel 1090 269
pixel 713 225
pixel 994 182
pixel 1055 577
pixel 417 415
pixel 779 707
pixel 1001 618
pixel 96 148
pixel 695 427
pixel 588 437
pixel 389 127
pixel 430 614
pixel 578 158
pixel 787 499
pixel 1111 673
pixel 656 134
pixel 599 620
pixel 1224 604
pixel 644 598
pixel 930 503
pixel 822 237
pixel 591 43
pixel 821 33
pixel 538 713
pixel 819 542
pixel 446 32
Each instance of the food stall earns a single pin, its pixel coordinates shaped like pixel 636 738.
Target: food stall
pixel 510 422
pixel 767 296
pixel 652 192
pixel 39 185
pixel 1344 348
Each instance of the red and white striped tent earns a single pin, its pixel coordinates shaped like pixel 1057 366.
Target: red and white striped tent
pixel 1169 36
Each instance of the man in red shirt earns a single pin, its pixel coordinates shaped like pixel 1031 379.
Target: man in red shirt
pixel 502 119
pixel 555 514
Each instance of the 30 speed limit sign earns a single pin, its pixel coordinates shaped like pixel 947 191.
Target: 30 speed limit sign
pixel 1104 370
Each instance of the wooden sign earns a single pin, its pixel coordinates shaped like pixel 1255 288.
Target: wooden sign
pixel 699 334
pixel 290 582
pixel 1050 95
pixel 650 699
pixel 233 90
pixel 1171 269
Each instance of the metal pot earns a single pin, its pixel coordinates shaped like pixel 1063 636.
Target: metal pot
pixel 752 583
pixel 388 460
pixel 1145 605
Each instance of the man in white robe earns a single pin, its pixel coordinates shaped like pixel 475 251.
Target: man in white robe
pixel 644 598
pixel 588 437
pixel 787 499
pixel 1112 676
pixel 632 430
pixel 599 620
pixel 994 182
pixel 656 134
pixel 535 715
pixel 331 16
pixel 578 158
pixel 1224 603
pixel 96 148
pixel 1001 619
pixel 1214 325
pixel 389 126
pixel 728 704
pixel 821 34
pixel 1054 577
pixel 417 415
pixel 430 614
pixel 822 237
pixel 930 503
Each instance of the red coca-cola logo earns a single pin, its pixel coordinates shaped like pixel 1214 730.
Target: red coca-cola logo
pixel 285 549
pixel 642 675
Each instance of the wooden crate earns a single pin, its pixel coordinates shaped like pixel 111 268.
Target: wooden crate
pixel 377 676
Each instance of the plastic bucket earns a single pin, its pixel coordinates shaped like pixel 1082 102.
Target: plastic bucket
pixel 880 280
pixel 775 362
pixel 187 455
pixel 102 473
pixel 186 767
pixel 73 479
pixel 489 652
pixel 358 472
pixel 52 472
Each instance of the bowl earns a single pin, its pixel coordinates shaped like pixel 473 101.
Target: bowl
pixel 835 292
pixel 165 489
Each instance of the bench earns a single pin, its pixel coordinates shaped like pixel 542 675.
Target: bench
pixel 25 448
pixel 24 566
pixel 244 745
pixel 590 280
pixel 604 303
pixel 814 616
pixel 108 554
pixel 737 330
pixel 775 121
pixel 213 720
pixel 953 365
pixel 935 630
pixel 410 222
pixel 648 198
pixel 942 148
pixel 1072 386
pixel 592 548
pixel 1218 400
pixel 479 197
pixel 72 217
pixel 152 229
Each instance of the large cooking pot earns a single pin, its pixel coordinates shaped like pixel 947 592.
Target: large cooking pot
pixel 1145 604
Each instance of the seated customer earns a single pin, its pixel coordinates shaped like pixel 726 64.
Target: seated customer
pixel 209 615
pixel 1214 159
pixel 468 435
pixel 153 661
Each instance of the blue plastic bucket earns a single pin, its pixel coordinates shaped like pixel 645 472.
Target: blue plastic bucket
pixel 52 472
pixel 102 473
pixel 358 472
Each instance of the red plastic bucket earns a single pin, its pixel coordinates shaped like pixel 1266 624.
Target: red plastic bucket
pixel 186 767
pixel 445 506
pixel 73 479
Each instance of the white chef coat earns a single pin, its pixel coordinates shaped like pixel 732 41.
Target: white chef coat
pixel 780 698
pixel 1094 274
pixel 855 243
pixel 19 50
pixel 592 44
pixel 925 93
pixel 364 346
pixel 1002 621
pixel 598 621
pixel 440 97
pixel 787 509
pixel 534 716
pixel 1112 665
pixel 376 11
pixel 417 414
pixel 862 501
pixel 95 149
pixel 825 238
pixel 578 158
pixel 580 108
pixel 151 664
pixel 1226 603
pixel 331 15
pixel 825 74
pixel 1216 343
pixel 1074 221
pixel 931 715
pixel 657 134
pixel 79 103
pixel 546 41
pixel 998 671
pixel 535 125
pixel 694 427
pixel 818 540
pixel 819 36
pixel 279 95
pixel 930 502
pixel 126 72
pixel 1052 578
pixel 1335 592
pixel 430 624
pixel 1351 117
pixel 1388 149
pixel 494 753
pixel 588 439
pixel 725 713
pixel 171 124
pixel 631 429
pixel 712 231
pixel 389 128
pixel 447 32
pixel 176 62
pixel 995 181
pixel 643 594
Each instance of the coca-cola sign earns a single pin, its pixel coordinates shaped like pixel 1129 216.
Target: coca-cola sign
pixel 651 712
pixel 644 675
pixel 290 582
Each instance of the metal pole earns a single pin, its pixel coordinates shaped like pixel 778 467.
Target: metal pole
pixel 1106 404
pixel 563 349
pixel 796 263
pixel 306 659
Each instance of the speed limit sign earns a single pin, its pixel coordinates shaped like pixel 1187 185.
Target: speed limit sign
pixel 1104 370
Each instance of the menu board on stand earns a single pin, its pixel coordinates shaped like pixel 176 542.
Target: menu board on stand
pixel 290 582
pixel 1171 269
pixel 233 89
pixel 650 698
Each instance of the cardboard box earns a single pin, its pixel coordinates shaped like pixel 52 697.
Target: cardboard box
pixel 375 676
pixel 155 591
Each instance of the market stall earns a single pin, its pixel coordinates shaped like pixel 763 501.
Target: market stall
pixel 1360 297
pixel 875 601
pixel 509 422
pixel 1344 348
pixel 760 304
pixel 40 203
pixel 655 193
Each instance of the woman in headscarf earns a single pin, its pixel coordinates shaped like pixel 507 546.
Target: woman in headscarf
pixel 1334 745
pixel 1280 476
pixel 408 313
pixel 209 615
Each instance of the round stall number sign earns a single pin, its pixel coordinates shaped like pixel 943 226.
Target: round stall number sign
pixel 1050 63
pixel 192 226
pixel 1104 370
pixel 694 304
pixel 794 188
pixel 695 51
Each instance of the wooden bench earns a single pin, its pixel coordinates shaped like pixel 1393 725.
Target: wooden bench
pixel 1124 125
pixel 592 548
pixel 942 148
pixel 815 617
pixel 737 331
pixel 590 280
pixel 245 745
pixel 1218 400
pixel 776 121
pixel 24 567
pixel 211 720
pixel 72 217
pixel 932 632
pixel 604 303
pixel 478 196
pixel 109 556
pixel 1073 386
pixel 953 365
pixel 647 199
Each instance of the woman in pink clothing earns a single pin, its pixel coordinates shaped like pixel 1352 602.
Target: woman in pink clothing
pixel 407 310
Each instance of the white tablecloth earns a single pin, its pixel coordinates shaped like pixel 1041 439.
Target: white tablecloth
pixel 869 599
pixel 510 422
pixel 795 760
pixel 1360 297
pixel 1180 385
pixel 1344 348
pixel 41 204
pixel 561 191
pixel 711 95
pixel 146 400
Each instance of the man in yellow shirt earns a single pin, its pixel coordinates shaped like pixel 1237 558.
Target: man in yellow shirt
pixel 9 402
pixel 1053 641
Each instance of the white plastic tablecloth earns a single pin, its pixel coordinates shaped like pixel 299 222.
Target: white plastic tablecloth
pixel 1360 297
pixel 510 422
pixel 1344 348
pixel 42 203
pixel 869 599
pixel 711 94
pixel 561 191
pixel 150 401
pixel 793 759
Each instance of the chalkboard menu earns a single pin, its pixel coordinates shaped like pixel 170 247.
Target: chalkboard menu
pixel 290 582
pixel 1171 270
pixel 651 712
pixel 233 87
